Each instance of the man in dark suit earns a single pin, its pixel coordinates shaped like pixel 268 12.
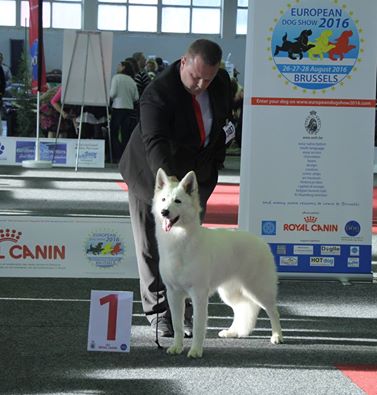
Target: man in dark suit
pixel 182 115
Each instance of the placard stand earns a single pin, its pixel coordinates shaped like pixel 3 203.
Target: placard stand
pixel 92 42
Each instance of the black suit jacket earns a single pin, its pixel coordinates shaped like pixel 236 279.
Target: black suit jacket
pixel 168 136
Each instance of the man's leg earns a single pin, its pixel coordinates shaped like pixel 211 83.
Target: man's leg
pixel 152 290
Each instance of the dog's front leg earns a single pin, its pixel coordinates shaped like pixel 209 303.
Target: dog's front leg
pixel 176 301
pixel 200 304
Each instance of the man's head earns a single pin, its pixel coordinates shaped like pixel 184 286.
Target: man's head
pixel 140 59
pixel 200 65
pixel 1 58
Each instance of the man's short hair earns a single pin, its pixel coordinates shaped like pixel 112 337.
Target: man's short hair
pixel 209 51
pixel 138 56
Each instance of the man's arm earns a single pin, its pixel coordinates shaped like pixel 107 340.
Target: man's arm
pixel 156 131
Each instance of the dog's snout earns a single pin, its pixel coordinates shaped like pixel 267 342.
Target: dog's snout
pixel 165 212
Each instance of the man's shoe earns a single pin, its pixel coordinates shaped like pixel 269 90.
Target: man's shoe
pixel 187 327
pixel 163 326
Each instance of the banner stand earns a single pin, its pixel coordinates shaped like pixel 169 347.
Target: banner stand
pixel 307 155
pixel 93 43
pixel 39 83
pixel 37 163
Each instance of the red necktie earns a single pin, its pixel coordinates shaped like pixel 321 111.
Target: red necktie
pixel 199 118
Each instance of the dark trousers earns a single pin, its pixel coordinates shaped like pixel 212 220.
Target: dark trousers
pixel 152 289
pixel 124 120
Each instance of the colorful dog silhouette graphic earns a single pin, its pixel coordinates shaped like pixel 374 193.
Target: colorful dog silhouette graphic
pixel 96 250
pixel 297 47
pixel 322 45
pixel 116 249
pixel 107 249
pixel 342 46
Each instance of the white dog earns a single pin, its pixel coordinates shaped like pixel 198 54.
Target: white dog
pixel 195 261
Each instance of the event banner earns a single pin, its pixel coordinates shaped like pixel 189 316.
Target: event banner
pixel 308 133
pixel 61 152
pixel 39 82
pixel 67 247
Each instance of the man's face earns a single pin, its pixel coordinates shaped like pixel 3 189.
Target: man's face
pixel 196 75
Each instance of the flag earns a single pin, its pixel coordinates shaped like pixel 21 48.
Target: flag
pixel 39 83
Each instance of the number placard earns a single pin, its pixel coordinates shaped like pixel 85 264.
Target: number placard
pixel 110 321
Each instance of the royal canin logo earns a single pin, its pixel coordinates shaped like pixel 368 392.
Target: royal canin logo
pixel 11 238
pixel 310 225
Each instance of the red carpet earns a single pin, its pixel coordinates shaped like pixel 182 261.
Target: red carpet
pixel 365 377
pixel 222 207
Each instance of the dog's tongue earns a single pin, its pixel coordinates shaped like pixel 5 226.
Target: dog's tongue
pixel 167 224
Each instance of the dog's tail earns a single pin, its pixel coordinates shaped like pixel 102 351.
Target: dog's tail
pixel 285 37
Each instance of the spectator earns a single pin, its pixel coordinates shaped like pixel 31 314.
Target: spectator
pixel 2 91
pixel 124 94
pixel 7 72
pixel 151 68
pixel 141 78
pixel 160 65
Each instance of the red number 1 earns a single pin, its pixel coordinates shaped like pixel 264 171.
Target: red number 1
pixel 112 299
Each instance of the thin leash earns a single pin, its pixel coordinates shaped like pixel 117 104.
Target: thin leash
pixel 158 302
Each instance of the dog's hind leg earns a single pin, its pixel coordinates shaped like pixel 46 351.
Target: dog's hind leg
pixel 267 302
pixel 277 50
pixel 176 301
pixel 245 310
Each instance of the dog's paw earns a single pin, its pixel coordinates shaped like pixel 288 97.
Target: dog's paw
pixel 277 338
pixel 195 352
pixel 175 350
pixel 227 333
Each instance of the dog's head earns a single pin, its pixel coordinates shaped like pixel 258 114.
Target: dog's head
pixel 176 203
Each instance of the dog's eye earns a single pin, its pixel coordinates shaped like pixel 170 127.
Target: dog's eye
pixel 163 199
pixel 177 201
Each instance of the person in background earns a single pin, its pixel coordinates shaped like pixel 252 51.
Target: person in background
pixel 124 94
pixel 68 113
pixel 141 77
pixel 7 72
pixel 182 116
pixel 2 91
pixel 151 68
pixel 160 65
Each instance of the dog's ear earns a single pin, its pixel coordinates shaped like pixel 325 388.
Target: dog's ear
pixel 189 183
pixel 161 179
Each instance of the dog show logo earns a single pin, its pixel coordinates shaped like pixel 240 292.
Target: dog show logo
pixel 310 224
pixel 313 123
pixel 315 47
pixel 12 249
pixel 104 249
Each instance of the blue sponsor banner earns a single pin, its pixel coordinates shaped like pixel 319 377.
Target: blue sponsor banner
pixel 322 258
pixel 25 150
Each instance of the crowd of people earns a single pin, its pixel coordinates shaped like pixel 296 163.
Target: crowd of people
pixel 140 71
pixel 133 75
